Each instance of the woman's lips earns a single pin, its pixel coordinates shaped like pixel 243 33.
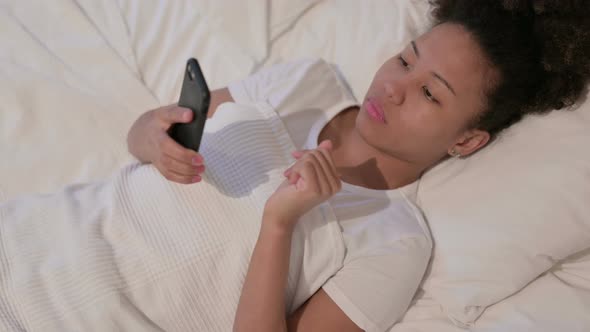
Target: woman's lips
pixel 374 110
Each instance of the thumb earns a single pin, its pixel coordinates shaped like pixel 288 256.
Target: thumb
pixel 293 177
pixel 176 115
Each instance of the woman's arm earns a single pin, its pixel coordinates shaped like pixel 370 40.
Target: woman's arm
pixel 218 97
pixel 311 180
pixel 262 303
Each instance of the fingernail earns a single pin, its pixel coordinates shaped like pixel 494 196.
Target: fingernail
pixel 197 161
pixel 200 169
pixel 197 179
pixel 186 115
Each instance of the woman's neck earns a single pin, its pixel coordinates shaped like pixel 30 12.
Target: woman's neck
pixel 361 164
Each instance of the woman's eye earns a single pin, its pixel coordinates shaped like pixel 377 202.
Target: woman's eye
pixel 403 62
pixel 429 95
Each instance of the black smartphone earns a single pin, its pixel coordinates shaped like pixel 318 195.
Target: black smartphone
pixel 196 96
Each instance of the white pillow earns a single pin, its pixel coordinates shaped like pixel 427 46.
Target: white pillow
pixel 499 218
pixel 575 271
pixel 508 213
pixel 227 37
pixel 285 13
pixel 358 36
pixel 548 304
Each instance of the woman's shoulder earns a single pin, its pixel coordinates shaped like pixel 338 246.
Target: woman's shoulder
pixel 382 226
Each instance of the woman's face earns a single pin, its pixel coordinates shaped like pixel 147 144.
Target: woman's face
pixel 428 95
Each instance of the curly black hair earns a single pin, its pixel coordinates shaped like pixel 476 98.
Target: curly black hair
pixel 539 48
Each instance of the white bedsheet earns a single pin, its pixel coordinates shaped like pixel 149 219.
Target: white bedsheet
pixel 74 75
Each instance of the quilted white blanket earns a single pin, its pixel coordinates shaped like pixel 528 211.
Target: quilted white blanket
pixel 140 253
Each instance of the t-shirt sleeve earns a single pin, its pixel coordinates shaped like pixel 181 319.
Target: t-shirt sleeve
pixel 302 82
pixel 375 290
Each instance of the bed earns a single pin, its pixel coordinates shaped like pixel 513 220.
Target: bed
pixel 75 74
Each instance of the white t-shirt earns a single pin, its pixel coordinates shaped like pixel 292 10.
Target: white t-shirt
pixel 387 241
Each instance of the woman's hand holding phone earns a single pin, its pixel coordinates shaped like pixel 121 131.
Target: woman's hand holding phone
pixel 148 141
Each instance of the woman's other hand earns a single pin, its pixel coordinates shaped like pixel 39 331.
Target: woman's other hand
pixel 148 141
pixel 312 180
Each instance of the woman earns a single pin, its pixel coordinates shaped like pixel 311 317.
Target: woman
pixel 481 68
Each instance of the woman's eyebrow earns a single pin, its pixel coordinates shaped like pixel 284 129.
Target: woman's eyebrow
pixel 415 49
pixel 417 52
pixel 444 82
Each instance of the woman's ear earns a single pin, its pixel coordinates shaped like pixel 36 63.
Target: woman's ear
pixel 471 141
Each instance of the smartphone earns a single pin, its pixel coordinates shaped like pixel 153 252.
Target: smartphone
pixel 196 96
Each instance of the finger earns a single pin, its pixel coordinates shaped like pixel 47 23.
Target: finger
pixel 178 178
pixel 288 170
pixel 175 114
pixel 327 172
pixel 311 172
pixel 298 154
pixel 308 172
pixel 326 144
pixel 180 167
pixel 325 158
pixel 323 177
pixel 169 147
pixel 293 177
pixel 326 147
pixel 294 173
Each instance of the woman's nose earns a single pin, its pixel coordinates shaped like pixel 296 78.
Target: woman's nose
pixel 395 92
